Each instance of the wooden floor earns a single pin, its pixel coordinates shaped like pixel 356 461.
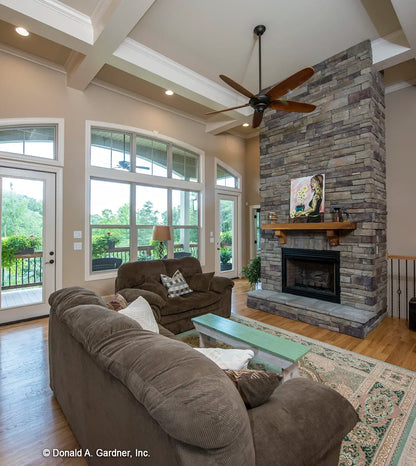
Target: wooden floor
pixel 31 420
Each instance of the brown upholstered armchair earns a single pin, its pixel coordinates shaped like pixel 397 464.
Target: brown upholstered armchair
pixel 210 293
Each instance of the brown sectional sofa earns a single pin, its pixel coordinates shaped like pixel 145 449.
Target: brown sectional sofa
pixel 142 278
pixel 124 388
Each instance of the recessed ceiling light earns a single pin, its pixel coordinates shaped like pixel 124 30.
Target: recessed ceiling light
pixel 22 31
pixel 246 124
pixel 169 92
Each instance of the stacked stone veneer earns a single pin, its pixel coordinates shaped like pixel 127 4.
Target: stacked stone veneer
pixel 343 139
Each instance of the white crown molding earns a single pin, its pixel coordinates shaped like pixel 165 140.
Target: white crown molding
pixel 145 58
pixel 139 98
pixel 32 58
pixel 56 15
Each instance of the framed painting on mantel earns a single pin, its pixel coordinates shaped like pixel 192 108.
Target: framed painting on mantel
pixel 307 199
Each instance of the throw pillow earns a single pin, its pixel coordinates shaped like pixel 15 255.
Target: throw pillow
pixel 228 358
pixel 254 387
pixel 116 302
pixel 176 284
pixel 201 281
pixel 140 311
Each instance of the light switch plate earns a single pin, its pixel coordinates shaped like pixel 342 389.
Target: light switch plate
pixel 77 246
pixel 211 240
pixel 77 234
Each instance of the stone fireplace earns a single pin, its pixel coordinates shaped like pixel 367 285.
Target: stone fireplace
pixel 343 139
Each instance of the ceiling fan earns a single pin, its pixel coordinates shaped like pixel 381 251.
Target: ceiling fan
pixel 259 102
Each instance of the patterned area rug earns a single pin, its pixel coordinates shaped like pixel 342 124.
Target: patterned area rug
pixel 383 395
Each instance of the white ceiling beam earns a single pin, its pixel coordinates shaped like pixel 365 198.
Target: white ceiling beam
pixel 147 64
pixel 55 15
pixel 406 13
pixel 219 127
pixel 111 29
pixel 76 38
pixel 390 50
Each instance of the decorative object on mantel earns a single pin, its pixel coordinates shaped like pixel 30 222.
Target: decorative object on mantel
pixel 272 217
pixel 271 99
pixel 336 214
pixel 307 199
pixel 332 229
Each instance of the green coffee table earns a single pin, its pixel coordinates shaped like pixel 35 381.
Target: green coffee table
pixel 267 347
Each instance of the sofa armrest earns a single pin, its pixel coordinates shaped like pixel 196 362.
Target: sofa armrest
pixel 220 284
pixel 156 302
pixel 303 413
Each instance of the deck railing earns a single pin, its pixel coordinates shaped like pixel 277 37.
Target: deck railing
pixel 401 286
pixel 27 269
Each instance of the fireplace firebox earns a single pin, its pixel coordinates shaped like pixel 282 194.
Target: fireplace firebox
pixel 311 273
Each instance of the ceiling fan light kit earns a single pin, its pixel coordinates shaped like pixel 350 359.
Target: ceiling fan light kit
pixel 261 101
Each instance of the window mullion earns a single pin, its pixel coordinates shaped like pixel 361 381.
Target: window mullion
pixel 133 154
pixel 133 226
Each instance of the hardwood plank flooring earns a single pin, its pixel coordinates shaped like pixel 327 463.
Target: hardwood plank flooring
pixel 30 417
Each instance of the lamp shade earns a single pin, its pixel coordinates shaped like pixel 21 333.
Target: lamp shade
pixel 161 233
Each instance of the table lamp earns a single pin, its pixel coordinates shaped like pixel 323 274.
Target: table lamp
pixel 161 233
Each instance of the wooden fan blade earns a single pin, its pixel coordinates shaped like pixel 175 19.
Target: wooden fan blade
pixel 257 117
pixel 237 86
pixel 226 109
pixel 290 83
pixel 292 106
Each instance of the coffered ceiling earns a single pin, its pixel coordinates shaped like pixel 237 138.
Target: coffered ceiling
pixel 146 46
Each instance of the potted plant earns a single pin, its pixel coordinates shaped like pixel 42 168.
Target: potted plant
pixel 225 256
pixel 252 271
pixel 104 241
pixel 17 244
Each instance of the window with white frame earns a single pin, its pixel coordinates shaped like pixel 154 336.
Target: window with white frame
pixel 225 178
pixel 30 140
pixel 137 182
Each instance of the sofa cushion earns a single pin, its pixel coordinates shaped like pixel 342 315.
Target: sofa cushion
pixel 73 296
pixel 255 387
pixel 176 285
pixel 188 266
pixel 195 300
pixel 155 286
pixel 140 311
pixel 187 394
pixel 201 281
pixel 133 274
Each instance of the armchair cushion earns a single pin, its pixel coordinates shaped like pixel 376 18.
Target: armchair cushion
pixel 201 281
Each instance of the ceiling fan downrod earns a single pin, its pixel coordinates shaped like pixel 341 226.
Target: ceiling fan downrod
pixel 259 31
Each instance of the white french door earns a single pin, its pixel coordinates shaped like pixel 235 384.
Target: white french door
pixel 227 238
pixel 28 263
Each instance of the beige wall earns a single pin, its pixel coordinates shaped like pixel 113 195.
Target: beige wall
pixel 30 90
pixel 401 171
pixel 251 187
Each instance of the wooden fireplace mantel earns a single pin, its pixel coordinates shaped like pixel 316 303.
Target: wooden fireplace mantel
pixel 332 229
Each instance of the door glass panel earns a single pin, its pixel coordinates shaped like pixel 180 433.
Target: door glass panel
pixel 226 234
pixel 22 241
